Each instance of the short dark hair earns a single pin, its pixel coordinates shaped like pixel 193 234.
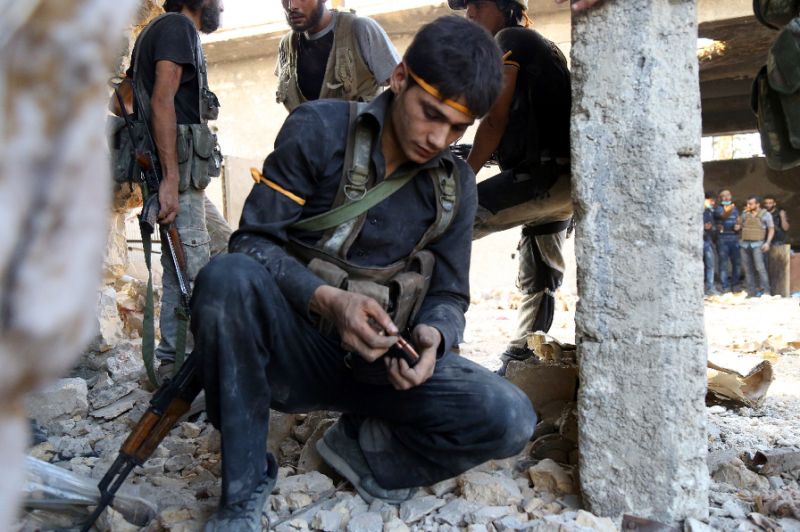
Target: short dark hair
pixel 709 195
pixel 513 12
pixel 770 196
pixel 460 59
pixel 757 198
pixel 175 6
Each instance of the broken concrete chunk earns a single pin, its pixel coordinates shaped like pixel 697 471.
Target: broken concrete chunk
pixel 543 383
pixel 62 399
pixel 415 509
pixel 395 525
pixel 313 483
pixel 776 461
pixel 489 489
pixel 487 514
pixel 327 521
pixel 125 364
pixel 549 476
pixel 366 522
pixel 121 406
pixel 454 512
pixel 736 474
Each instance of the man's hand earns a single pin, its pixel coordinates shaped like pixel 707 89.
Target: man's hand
pixel 168 201
pixel 351 313
pixel 765 247
pixel 426 339
pixel 737 227
pixel 581 4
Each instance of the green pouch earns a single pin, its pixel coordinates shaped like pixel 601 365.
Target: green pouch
pixel 122 149
pixel 206 159
pixel 776 13
pixel 183 149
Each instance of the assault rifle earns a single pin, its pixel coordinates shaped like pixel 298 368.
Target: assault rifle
pixel 462 152
pixel 174 398
pixel 167 406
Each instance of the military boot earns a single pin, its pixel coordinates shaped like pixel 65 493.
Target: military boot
pixel 248 515
pixel 339 447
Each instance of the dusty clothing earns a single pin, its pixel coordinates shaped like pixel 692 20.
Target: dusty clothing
pixel 533 189
pixel 350 59
pixel 541 271
pixel 310 168
pixel 259 352
pixel 251 310
pixel 173 37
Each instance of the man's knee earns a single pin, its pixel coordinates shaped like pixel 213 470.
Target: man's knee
pixel 228 277
pixel 508 418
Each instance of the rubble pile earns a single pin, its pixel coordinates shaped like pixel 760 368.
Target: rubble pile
pixel 80 423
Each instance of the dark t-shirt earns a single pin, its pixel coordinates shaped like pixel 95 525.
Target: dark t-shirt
pixel 540 112
pixel 173 38
pixel 312 61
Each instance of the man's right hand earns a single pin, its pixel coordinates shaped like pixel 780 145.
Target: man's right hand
pixel 168 201
pixel 351 313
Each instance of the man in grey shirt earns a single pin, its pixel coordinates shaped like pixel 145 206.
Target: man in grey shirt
pixel 331 54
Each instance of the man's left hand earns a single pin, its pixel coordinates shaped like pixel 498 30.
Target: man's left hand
pixel 765 247
pixel 426 339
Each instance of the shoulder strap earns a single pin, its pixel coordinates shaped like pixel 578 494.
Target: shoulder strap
pixel 347 212
pixel 447 187
pixel 356 179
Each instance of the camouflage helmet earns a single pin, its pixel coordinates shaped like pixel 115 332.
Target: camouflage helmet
pixel 462 4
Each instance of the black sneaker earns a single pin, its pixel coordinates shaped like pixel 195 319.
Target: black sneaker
pixel 513 353
pixel 343 453
pixel 249 515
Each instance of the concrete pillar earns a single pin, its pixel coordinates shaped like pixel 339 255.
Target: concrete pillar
pixel 638 192
pixel 54 193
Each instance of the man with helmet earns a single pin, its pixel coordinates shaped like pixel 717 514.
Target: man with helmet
pixel 527 130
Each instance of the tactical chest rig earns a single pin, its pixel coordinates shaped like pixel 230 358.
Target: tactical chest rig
pixel 399 287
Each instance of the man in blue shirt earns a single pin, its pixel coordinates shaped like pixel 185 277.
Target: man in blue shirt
pixel 726 218
pixel 708 244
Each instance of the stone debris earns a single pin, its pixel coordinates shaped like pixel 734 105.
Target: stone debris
pixel 84 420
pixel 489 489
pixel 63 399
pixel 549 476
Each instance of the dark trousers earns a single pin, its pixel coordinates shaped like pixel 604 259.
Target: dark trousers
pixel 708 263
pixel 257 353
pixel 728 250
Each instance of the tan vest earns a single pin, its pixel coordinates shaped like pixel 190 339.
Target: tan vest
pixel 752 228
pixel 347 76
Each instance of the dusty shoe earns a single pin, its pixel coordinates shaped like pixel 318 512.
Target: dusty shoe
pixel 513 353
pixel 249 515
pixel 343 453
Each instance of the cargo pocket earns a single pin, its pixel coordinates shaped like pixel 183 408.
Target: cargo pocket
pixel 206 159
pixel 184 150
pixel 197 247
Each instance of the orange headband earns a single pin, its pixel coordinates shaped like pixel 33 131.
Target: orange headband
pixel 433 91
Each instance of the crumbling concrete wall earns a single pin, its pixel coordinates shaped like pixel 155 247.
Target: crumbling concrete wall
pixel 638 187
pixel 54 61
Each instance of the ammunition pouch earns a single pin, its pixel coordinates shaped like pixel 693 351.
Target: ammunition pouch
pixel 400 295
pixel 776 100
pixel 209 105
pixel 776 13
pixel 122 149
pixel 199 156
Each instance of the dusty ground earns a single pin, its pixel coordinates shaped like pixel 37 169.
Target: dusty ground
pixel 181 480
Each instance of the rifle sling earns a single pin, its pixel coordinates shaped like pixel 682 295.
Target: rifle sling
pixel 349 211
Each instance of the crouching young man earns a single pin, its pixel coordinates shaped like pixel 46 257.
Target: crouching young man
pixel 359 230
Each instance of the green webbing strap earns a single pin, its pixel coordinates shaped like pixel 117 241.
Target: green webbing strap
pixel 348 211
pixel 180 336
pixel 148 327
